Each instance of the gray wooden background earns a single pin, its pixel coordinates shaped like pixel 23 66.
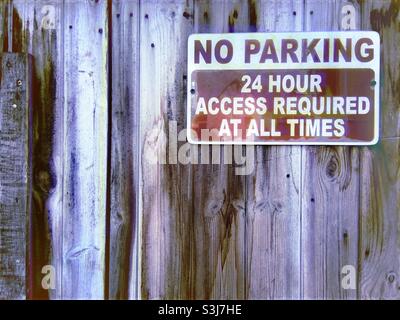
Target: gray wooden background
pixel 77 191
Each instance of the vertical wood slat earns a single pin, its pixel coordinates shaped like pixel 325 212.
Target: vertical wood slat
pixel 197 249
pixel 44 43
pixel 124 251
pixel 70 142
pixel 15 173
pixel 3 26
pixel 273 202
pixel 383 17
pixel 164 203
pixel 219 193
pixel 379 249
pixel 85 49
pixel 182 236
pixel 330 195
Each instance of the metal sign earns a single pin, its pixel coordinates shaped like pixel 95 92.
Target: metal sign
pixel 307 88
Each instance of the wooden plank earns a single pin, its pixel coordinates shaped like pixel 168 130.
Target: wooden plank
pixel 379 248
pixel 330 209
pixel 218 190
pixel 330 191
pixel 15 173
pixel 3 26
pixel 63 140
pixel 273 192
pixel 85 45
pixel 192 234
pixel 124 253
pixel 38 29
pixel 163 196
pixel 383 17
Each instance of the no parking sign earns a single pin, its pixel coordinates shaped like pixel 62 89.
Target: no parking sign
pixel 284 88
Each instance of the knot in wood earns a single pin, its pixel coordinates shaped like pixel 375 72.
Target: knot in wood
pixel 332 167
pixel 391 277
pixel 235 14
pixel 215 206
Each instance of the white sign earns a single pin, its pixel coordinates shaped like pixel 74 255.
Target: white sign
pixel 307 88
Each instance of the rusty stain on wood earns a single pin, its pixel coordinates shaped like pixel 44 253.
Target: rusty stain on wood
pixel 15 174
pixel 3 26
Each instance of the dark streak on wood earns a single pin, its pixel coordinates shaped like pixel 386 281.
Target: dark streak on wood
pixel 252 4
pixel 18 34
pixel 44 178
pixel 383 18
pixel 123 171
pixel 42 44
pixel 231 21
pixel 3 26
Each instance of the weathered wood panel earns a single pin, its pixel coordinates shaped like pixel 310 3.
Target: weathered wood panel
pixel 69 141
pixel 383 17
pixel 124 251
pixel 43 42
pixel 15 173
pixel 330 194
pixel 190 230
pixel 379 247
pixel 164 198
pixel 85 50
pixel 3 26
pixel 273 235
pixel 218 191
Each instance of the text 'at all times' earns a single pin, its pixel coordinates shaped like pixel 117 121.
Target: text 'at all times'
pixel 307 106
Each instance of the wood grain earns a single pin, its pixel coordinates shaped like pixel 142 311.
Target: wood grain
pixel 273 212
pixel 379 247
pixel 166 259
pixel 3 26
pixel 85 45
pixel 119 218
pixel 330 196
pixel 124 251
pixel 15 173
pixel 383 17
pixel 70 142
pixel 45 45
pixel 195 251
pixel 218 190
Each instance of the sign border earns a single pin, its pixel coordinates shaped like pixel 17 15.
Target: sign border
pixel 374 65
